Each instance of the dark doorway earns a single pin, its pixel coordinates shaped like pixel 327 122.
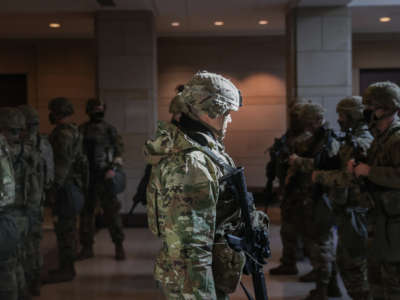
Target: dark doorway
pixel 13 89
pixel 369 76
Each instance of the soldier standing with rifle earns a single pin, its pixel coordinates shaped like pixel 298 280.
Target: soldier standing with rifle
pixel 192 205
pixel 318 219
pixel 291 220
pixel 349 205
pixel 103 147
pixel 382 101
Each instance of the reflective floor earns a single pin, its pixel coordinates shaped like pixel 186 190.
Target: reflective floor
pixel 103 278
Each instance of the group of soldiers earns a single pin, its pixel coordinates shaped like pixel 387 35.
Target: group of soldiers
pixel 72 170
pixel 348 183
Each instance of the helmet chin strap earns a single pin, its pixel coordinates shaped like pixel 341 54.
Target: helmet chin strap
pixel 194 115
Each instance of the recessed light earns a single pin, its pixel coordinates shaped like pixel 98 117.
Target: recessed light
pixel 263 22
pixel 54 25
pixel 219 23
pixel 385 19
pixel 175 24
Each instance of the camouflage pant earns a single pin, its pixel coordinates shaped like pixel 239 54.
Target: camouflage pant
pixel 110 206
pixel 33 258
pixel 8 279
pixel 292 231
pixel 352 269
pixel 323 254
pixel 65 228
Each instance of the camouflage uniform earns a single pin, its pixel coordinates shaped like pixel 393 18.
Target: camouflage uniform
pixel 187 206
pixel 9 233
pixel 349 205
pixel 323 251
pixel 37 151
pixel 69 167
pixel 101 144
pixel 384 182
pixel 291 221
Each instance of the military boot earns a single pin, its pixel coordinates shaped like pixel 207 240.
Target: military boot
pixel 86 252
pixel 309 277
pixel 119 251
pixel 284 269
pixel 333 288
pixel 63 274
pixel 320 293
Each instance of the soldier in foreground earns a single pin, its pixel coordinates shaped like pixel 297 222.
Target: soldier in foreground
pixel 103 147
pixel 66 194
pixel 189 208
pixel 322 149
pixel 382 101
pixel 9 233
pixel 349 204
pixel 291 205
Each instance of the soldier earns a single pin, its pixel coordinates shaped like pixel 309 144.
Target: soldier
pixel 9 233
pixel 349 205
pixel 318 222
pixel 25 166
pixel 104 148
pixel 382 100
pixel 66 193
pixel 188 208
pixel 290 218
pixel 40 149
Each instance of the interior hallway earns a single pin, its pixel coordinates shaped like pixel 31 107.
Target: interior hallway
pixel 103 278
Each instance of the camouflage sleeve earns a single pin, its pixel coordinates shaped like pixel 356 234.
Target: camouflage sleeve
pixel 335 178
pixel 388 176
pixel 117 142
pixel 63 150
pixel 305 165
pixel 192 190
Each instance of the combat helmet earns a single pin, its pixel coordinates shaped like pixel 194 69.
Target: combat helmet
pixel 31 114
pixel 212 94
pixel 92 104
pixel 11 118
pixel 384 95
pixel 351 107
pixel 61 107
pixel 311 112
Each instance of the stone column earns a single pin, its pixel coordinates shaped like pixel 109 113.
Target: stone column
pixel 319 56
pixel 126 82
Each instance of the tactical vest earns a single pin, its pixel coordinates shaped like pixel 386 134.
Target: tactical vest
pixel 99 141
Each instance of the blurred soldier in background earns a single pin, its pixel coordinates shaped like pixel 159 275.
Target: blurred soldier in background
pixel 322 155
pixel 66 194
pixel 104 148
pixel 349 205
pixel 43 173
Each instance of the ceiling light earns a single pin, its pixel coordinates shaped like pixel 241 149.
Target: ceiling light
pixel 385 19
pixel 175 24
pixel 263 22
pixel 219 23
pixel 54 25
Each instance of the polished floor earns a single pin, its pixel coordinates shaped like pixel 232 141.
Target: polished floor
pixel 103 278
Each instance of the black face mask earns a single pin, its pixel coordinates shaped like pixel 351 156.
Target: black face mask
pixel 97 116
pixel 343 125
pixel 53 118
pixel 368 115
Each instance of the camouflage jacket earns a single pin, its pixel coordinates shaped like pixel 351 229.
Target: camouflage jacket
pixel 101 144
pixel 7 182
pixel 190 211
pixel 384 177
pixel 345 188
pixel 69 162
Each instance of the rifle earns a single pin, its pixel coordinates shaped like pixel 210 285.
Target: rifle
pixel 255 242
pixel 140 196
